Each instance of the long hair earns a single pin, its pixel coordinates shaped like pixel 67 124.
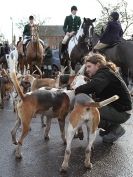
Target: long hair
pixel 98 58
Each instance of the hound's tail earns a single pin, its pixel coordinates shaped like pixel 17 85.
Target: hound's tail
pixel 102 103
pixel 16 85
pixel 13 76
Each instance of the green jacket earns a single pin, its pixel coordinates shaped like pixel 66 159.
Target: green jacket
pixel 27 31
pixel 71 24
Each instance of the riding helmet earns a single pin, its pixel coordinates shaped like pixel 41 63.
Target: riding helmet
pixel 31 17
pixel 74 8
pixel 115 15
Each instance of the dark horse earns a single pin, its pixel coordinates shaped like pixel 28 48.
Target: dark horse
pixel 121 54
pixel 3 59
pixel 3 62
pixel 78 46
pixel 35 50
pixel 22 62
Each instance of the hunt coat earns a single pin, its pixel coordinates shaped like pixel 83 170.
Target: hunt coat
pixel 71 24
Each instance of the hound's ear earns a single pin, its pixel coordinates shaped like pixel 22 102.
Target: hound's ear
pixel 94 20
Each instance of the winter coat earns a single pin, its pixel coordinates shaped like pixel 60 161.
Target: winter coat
pixel 105 84
pixel 27 30
pixel 112 34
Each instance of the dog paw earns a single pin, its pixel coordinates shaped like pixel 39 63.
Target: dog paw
pixel 88 165
pixel 18 155
pixel 43 125
pixel 63 170
pixel 46 138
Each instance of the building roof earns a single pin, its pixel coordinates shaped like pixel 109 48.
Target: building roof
pixel 51 30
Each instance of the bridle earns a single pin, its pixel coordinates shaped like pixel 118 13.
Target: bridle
pixel 35 32
pixel 88 33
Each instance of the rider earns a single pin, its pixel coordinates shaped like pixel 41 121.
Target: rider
pixel 112 34
pixel 27 32
pixel 20 39
pixel 106 82
pixel 48 61
pixel 71 26
pixel 6 48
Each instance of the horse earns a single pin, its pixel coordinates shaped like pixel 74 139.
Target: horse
pixel 3 62
pixel 22 62
pixel 78 46
pixel 3 59
pixel 121 54
pixel 34 50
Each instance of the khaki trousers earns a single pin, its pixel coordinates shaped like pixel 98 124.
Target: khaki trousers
pixel 100 45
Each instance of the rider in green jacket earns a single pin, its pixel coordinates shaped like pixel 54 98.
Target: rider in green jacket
pixel 71 26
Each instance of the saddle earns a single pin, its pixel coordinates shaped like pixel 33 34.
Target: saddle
pixel 64 47
pixel 108 47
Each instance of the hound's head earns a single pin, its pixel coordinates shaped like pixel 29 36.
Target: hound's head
pixel 78 80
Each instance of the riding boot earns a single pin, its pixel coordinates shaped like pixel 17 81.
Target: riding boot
pixel 63 48
pixel 24 49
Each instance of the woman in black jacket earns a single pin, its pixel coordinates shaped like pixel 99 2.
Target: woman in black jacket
pixel 105 82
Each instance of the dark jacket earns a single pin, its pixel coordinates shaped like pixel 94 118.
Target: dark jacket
pixel 27 31
pixel 48 56
pixel 105 84
pixel 71 24
pixel 112 33
pixel 7 49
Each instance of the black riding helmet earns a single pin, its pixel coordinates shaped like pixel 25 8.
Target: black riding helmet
pixel 115 16
pixel 31 17
pixel 74 8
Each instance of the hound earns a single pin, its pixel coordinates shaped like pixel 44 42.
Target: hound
pixel 85 111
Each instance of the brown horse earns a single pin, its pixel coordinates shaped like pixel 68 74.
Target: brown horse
pixel 35 50
pixel 22 62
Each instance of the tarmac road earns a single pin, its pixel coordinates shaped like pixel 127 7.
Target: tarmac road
pixel 43 159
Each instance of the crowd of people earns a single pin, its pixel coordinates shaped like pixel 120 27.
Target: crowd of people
pixel 105 81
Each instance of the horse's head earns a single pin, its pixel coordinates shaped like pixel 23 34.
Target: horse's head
pixel 35 32
pixel 88 29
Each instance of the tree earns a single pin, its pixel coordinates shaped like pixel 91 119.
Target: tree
pixel 24 21
pixel 126 17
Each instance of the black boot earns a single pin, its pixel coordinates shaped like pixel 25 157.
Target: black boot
pixel 105 127
pixel 63 48
pixel 24 49
pixel 116 131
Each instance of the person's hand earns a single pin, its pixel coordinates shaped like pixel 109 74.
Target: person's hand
pixel 68 34
pixel 73 32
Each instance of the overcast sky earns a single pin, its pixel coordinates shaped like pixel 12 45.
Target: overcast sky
pixel 54 10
